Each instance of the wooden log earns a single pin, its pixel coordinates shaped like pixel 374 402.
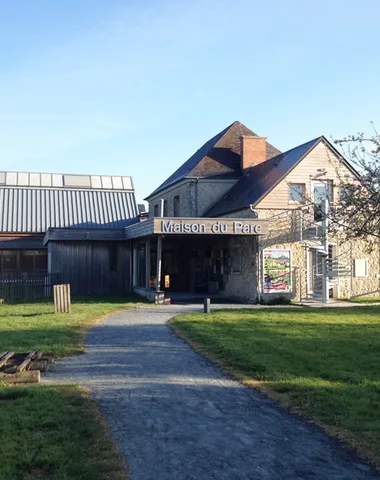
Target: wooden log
pixel 38 355
pixel 41 365
pixel 2 354
pixel 26 362
pixel 5 358
pixel 21 377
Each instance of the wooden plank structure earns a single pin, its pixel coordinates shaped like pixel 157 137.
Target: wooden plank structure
pixel 22 367
pixel 62 298
pixel 5 357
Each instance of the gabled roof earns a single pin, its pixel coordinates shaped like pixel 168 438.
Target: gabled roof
pixel 33 203
pixel 217 158
pixel 263 178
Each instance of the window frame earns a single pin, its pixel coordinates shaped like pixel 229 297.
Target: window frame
pixel 18 254
pixel 358 264
pixel 303 195
pixel 317 208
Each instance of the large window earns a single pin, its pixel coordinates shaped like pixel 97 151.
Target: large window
pixel 23 261
pixel 297 192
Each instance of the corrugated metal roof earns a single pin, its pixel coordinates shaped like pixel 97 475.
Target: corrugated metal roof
pixel 34 210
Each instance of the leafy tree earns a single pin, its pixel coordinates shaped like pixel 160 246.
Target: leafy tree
pixel 358 211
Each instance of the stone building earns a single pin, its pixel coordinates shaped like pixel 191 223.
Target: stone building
pixel 237 220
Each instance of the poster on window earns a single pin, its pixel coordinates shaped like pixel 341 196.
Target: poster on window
pixel 277 271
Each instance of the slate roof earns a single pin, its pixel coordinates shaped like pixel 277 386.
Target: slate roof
pixel 27 208
pixel 217 158
pixel 260 180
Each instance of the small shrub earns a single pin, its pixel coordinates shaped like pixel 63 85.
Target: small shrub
pixel 281 300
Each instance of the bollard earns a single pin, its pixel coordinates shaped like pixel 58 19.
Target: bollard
pixel 207 303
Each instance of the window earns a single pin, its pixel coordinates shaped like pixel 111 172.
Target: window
pixel 236 260
pixel 297 192
pixel 113 251
pixel 23 261
pixel 361 267
pixel 321 192
pixel 40 260
pixel 156 210
pixel 26 260
pixel 8 260
pixel 165 208
pixel 346 194
pixel 176 206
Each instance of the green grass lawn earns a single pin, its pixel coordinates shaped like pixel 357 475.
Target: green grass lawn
pixel 365 299
pixel 54 432
pixel 35 326
pixel 322 363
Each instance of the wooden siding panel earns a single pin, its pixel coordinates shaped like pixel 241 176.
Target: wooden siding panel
pixel 85 266
pixel 320 157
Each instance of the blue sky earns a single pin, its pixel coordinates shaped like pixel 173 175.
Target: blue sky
pixel 135 87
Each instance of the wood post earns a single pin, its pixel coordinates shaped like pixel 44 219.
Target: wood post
pixel 62 298
pixel 159 251
pixel 159 263
pixel 147 264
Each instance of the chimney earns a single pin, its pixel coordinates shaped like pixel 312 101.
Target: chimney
pixel 253 151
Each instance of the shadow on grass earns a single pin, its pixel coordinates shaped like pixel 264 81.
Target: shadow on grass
pixel 59 432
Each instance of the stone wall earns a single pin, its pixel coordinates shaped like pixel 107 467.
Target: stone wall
pixel 243 286
pixel 286 231
pixel 353 286
pixel 196 196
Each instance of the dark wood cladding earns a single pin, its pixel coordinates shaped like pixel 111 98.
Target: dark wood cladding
pixel 86 267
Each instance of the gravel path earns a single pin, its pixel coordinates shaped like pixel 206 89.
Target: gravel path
pixel 175 416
